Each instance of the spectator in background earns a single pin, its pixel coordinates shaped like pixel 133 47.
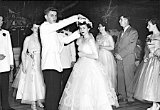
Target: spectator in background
pixel 148 87
pixel 31 87
pixel 125 55
pixel 105 46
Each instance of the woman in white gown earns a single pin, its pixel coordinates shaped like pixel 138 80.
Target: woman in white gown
pixel 87 88
pixel 31 87
pixel 105 45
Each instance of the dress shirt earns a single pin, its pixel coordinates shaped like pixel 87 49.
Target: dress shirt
pixel 53 42
pixel 5 49
pixel 68 55
pixel 126 28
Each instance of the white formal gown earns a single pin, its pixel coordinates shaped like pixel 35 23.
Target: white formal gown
pixel 107 59
pixel 31 85
pixel 88 88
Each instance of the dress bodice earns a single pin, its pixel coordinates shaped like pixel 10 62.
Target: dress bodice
pixel 33 45
pixel 85 47
pixel 154 44
pixel 102 40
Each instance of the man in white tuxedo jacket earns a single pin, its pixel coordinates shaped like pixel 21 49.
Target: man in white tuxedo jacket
pixel 52 45
pixel 6 64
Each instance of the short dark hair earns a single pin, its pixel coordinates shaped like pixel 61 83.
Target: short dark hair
pixel 46 11
pixel 126 16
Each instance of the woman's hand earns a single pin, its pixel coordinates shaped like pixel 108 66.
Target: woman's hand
pixel 118 56
pixel 81 54
pixel 101 47
pixel 23 68
pixel 151 55
pixel 146 60
pixel 157 52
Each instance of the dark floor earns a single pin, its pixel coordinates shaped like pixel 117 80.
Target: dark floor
pixel 137 105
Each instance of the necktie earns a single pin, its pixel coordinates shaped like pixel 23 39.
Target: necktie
pixel 122 33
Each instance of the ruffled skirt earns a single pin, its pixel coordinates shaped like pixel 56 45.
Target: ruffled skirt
pixel 88 88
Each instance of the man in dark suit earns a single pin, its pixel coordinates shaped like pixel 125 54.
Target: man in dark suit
pixel 125 55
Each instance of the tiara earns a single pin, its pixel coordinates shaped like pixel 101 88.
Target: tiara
pixel 82 20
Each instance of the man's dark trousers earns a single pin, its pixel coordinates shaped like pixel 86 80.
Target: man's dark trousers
pixel 52 79
pixel 4 90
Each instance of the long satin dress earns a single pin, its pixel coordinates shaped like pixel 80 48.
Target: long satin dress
pixel 148 87
pixel 107 59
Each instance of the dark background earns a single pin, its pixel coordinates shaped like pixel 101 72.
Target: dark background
pixel 20 14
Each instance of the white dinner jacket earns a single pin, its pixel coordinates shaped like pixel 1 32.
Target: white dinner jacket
pixel 68 55
pixel 53 42
pixel 6 49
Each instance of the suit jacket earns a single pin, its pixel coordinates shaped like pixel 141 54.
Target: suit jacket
pixel 6 49
pixel 126 44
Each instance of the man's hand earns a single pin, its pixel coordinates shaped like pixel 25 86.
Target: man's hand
pixel 66 32
pixel 72 63
pixel 137 63
pixel 118 56
pixel 2 56
pixel 81 16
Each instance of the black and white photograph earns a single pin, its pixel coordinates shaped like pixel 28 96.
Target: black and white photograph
pixel 79 54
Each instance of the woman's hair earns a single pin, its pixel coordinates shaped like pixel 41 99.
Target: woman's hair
pixel 102 23
pixel 89 24
pixel 155 21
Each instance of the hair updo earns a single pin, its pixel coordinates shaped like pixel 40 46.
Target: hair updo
pixel 85 21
